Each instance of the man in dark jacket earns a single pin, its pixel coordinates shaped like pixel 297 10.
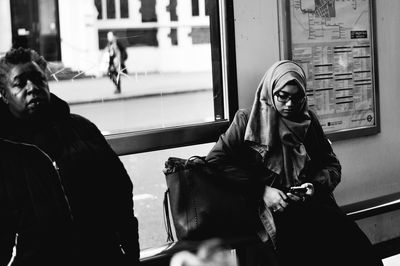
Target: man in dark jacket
pixel 33 209
pixel 96 183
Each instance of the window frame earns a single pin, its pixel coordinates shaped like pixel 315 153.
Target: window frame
pixel 224 80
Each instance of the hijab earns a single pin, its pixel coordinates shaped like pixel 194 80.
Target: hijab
pixel 279 140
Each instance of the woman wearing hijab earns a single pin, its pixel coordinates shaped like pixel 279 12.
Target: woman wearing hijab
pixel 278 153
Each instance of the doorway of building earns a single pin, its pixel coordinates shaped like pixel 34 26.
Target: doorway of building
pixel 35 25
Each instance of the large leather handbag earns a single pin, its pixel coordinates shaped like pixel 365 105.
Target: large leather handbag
pixel 201 202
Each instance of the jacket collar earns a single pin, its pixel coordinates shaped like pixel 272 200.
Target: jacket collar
pixel 58 111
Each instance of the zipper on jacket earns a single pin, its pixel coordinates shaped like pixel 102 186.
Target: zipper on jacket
pixel 54 163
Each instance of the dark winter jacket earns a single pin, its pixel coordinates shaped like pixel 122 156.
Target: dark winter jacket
pixel 32 205
pixel 244 166
pixel 96 183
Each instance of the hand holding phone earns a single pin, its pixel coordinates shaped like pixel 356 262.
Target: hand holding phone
pixel 297 193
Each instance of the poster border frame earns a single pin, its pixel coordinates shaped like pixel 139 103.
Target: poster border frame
pixel 285 52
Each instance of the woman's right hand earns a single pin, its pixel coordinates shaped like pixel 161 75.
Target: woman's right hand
pixel 275 199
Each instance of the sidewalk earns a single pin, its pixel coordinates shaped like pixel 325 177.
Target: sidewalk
pixel 93 90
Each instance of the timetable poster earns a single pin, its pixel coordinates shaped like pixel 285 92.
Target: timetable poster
pixel 331 39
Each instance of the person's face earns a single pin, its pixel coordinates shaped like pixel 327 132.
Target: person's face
pixel 289 100
pixel 110 36
pixel 27 90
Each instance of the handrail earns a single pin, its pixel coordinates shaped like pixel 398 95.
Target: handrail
pixel 372 207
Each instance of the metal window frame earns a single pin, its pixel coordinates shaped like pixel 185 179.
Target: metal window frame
pixel 224 80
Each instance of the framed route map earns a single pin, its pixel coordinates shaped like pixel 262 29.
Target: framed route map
pixel 333 40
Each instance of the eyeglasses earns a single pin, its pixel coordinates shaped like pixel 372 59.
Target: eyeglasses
pixel 285 97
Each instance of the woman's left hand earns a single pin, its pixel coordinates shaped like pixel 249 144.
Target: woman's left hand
pixel 302 197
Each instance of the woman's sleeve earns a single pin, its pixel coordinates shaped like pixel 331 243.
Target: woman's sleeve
pixel 230 140
pixel 328 173
pixel 228 154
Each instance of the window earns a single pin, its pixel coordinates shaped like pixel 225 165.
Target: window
pixel 195 8
pixel 201 7
pixel 146 37
pixel 175 74
pixel 99 8
pixel 110 8
pixel 200 35
pixel 124 9
pixel 172 10
pixel 175 93
pixel 207 7
pixel 174 36
pixel 148 10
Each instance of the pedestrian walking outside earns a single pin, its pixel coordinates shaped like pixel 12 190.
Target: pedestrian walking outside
pixel 117 57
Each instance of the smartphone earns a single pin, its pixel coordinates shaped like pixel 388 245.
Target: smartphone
pixel 298 191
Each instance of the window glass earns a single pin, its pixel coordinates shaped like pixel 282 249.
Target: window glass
pixel 174 36
pixel 148 10
pixel 110 8
pixel 172 10
pixel 170 78
pixel 124 9
pixel 195 8
pixel 207 7
pixel 200 35
pixel 149 184
pixel 99 7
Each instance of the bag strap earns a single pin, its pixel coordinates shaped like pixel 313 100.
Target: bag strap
pixel 167 219
pixel 194 157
